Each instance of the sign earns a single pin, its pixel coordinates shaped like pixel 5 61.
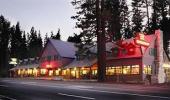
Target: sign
pixel 13 61
pixel 140 40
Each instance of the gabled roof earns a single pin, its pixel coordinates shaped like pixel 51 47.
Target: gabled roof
pixel 65 49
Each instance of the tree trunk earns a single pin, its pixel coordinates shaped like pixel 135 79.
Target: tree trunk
pixel 101 42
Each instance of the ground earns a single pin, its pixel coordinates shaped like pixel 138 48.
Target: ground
pixel 33 89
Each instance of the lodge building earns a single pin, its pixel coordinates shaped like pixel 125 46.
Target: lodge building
pixel 129 60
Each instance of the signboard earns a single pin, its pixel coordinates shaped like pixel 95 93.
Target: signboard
pixel 13 61
pixel 140 40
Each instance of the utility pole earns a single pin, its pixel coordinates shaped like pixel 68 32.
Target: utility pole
pixel 101 41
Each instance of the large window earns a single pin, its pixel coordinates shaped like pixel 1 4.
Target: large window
pixel 118 70
pixel 57 72
pixel 110 71
pixel 135 69
pixel 126 69
pixel 43 71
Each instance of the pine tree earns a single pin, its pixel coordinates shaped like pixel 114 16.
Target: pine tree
pixel 4 43
pixel 75 39
pixel 24 47
pixel 46 39
pixel 114 23
pixel 58 36
pixel 33 43
pixel 86 21
pixel 16 41
pixel 138 16
pixel 18 35
pixel 40 44
pixel 13 48
pixel 126 31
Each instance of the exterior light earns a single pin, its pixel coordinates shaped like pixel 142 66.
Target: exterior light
pixel 75 68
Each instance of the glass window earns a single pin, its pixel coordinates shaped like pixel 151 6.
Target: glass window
pixel 56 72
pixel 147 69
pixel 135 69
pixel 126 69
pixel 110 71
pixel 73 73
pixel 50 72
pixel 43 71
pixel 118 70
pixel 94 72
pixel 64 72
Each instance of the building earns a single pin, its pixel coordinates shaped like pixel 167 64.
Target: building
pixel 140 59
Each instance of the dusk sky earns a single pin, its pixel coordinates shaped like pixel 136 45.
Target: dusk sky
pixel 44 15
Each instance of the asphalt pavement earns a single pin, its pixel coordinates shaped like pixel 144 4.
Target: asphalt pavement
pixel 29 89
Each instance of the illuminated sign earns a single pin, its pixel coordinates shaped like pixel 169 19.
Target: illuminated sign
pixel 140 40
pixel 48 66
pixel 13 61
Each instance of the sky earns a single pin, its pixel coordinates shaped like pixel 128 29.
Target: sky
pixel 44 15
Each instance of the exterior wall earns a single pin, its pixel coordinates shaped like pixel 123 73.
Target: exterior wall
pixel 125 62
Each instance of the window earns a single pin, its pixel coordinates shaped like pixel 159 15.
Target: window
pixel 118 70
pixel 110 71
pixel 152 52
pixel 57 72
pixel 147 69
pixel 126 69
pixel 49 58
pixel 43 71
pixel 64 72
pixel 135 69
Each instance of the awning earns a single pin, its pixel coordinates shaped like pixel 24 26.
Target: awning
pixel 25 66
pixel 82 63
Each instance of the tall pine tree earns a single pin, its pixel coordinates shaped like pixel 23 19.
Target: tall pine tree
pixel 138 16
pixel 4 43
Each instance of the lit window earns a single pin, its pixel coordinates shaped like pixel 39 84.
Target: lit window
pixel 118 70
pixel 57 72
pixel 19 72
pixel 126 69
pixel 29 71
pixel 73 73
pixel 64 72
pixel 51 73
pixel 147 69
pixel 35 72
pixel 110 71
pixel 94 72
pixel 43 71
pixel 135 69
